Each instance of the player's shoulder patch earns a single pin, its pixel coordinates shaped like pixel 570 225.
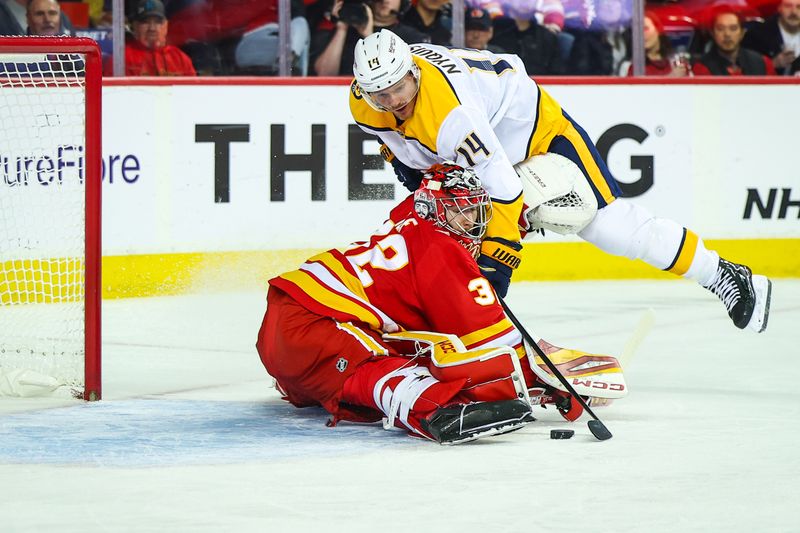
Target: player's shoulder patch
pixel 355 90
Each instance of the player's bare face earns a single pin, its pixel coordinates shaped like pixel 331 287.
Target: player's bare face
pixel 399 98
pixel 462 220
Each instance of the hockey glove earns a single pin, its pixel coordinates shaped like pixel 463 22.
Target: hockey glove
pixel 569 407
pixel 409 177
pixel 499 257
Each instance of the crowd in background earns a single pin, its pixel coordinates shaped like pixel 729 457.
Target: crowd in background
pixel 553 37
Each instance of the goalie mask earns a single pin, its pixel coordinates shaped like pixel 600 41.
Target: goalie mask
pixel 454 200
pixel 382 66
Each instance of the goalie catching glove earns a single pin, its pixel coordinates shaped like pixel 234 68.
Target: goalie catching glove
pixel 409 177
pixel 498 260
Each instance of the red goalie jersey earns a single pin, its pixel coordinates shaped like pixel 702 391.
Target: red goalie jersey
pixel 410 275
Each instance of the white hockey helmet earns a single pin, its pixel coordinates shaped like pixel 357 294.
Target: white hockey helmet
pixel 381 60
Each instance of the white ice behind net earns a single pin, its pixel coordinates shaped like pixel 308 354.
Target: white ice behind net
pixel 42 145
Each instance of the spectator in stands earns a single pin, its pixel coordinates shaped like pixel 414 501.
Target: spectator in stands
pixel 428 16
pixel 44 18
pixel 602 47
pixel 493 7
pixel 778 37
pixel 478 31
pixel 100 13
pixel 148 53
pixel 521 34
pixel 727 57
pixel 660 58
pixel 258 50
pixel 551 13
pixel 335 37
pixel 386 14
pixel 8 22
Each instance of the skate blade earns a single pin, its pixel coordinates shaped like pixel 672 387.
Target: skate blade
pixel 763 290
pixel 487 433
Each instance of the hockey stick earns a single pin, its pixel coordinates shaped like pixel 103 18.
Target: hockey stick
pixel 598 429
pixel 642 329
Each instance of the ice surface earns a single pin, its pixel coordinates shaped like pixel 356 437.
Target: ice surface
pixel 190 436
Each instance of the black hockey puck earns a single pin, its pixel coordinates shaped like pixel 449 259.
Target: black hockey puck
pixel 561 433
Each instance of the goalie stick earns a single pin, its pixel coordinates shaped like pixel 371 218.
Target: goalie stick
pixel 598 429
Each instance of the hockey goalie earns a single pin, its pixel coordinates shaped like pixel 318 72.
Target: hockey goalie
pixel 403 327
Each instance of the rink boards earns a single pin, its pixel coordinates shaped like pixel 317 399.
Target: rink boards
pixel 224 183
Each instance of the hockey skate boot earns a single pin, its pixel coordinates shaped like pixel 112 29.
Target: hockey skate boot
pixel 746 297
pixel 465 422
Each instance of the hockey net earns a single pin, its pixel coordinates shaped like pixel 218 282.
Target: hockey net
pixel 50 216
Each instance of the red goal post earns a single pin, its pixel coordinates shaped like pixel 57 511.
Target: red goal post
pixel 50 155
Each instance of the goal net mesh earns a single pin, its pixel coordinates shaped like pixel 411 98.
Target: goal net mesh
pixel 42 217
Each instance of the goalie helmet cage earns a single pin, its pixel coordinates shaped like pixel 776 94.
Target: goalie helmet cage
pixel 50 204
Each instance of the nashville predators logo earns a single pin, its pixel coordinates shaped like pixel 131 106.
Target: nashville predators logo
pixel 356 90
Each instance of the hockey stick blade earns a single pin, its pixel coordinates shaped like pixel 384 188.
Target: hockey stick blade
pixel 599 430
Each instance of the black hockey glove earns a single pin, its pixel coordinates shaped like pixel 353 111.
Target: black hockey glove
pixel 499 257
pixel 409 177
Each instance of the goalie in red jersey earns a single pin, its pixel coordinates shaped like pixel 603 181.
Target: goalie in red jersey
pixel 351 329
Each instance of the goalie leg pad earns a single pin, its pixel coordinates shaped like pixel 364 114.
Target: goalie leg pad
pixel 557 195
pixel 403 391
pixel 490 374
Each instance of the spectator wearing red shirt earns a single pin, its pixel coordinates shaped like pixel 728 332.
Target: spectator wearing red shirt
pixel 727 57
pixel 660 58
pixel 148 53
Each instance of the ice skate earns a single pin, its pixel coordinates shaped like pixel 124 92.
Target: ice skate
pixel 466 422
pixel 746 297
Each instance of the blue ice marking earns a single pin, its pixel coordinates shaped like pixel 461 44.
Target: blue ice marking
pixel 183 432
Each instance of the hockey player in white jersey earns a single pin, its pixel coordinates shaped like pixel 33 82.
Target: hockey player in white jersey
pixel 428 104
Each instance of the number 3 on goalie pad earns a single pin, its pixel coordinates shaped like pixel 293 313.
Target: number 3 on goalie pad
pixel 599 376
pixel 491 374
pixel 556 194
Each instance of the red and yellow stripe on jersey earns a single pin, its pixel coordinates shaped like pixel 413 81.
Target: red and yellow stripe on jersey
pixel 408 276
pixel 327 285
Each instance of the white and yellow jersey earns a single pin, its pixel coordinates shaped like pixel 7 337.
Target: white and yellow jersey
pixel 476 108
